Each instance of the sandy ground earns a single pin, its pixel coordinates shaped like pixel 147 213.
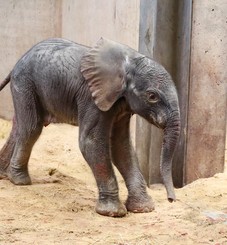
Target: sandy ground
pixel 59 207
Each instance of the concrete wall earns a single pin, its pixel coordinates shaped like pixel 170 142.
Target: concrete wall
pixel 207 90
pixel 26 22
pixel 22 24
pixel 88 20
pixel 189 38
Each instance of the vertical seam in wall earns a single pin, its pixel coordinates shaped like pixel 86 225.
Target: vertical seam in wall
pixel 176 70
pixel 188 88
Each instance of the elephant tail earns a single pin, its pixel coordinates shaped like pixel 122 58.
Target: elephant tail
pixel 5 81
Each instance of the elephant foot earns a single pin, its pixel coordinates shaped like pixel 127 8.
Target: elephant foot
pixel 18 176
pixel 140 205
pixel 111 208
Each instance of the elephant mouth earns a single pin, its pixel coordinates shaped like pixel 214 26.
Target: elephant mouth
pixel 158 121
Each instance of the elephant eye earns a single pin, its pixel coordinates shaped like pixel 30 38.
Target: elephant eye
pixel 152 97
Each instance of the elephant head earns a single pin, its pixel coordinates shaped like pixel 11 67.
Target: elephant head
pixel 113 70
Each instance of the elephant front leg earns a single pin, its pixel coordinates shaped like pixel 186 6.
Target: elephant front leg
pixel 108 202
pixel 94 145
pixel 124 158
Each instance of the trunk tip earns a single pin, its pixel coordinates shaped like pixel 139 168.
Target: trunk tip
pixel 170 199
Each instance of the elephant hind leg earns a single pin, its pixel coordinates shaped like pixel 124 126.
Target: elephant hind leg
pixel 29 123
pixel 7 151
pixel 17 171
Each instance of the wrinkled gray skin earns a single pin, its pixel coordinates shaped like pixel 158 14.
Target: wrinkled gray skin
pixel 97 89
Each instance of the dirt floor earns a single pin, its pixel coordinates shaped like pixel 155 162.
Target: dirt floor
pixel 59 207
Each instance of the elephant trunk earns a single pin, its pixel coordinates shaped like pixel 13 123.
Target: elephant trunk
pixel 171 134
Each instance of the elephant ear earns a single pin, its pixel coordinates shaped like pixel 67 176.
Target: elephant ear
pixel 104 68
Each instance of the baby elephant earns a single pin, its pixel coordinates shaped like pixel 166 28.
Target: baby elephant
pixel 97 89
